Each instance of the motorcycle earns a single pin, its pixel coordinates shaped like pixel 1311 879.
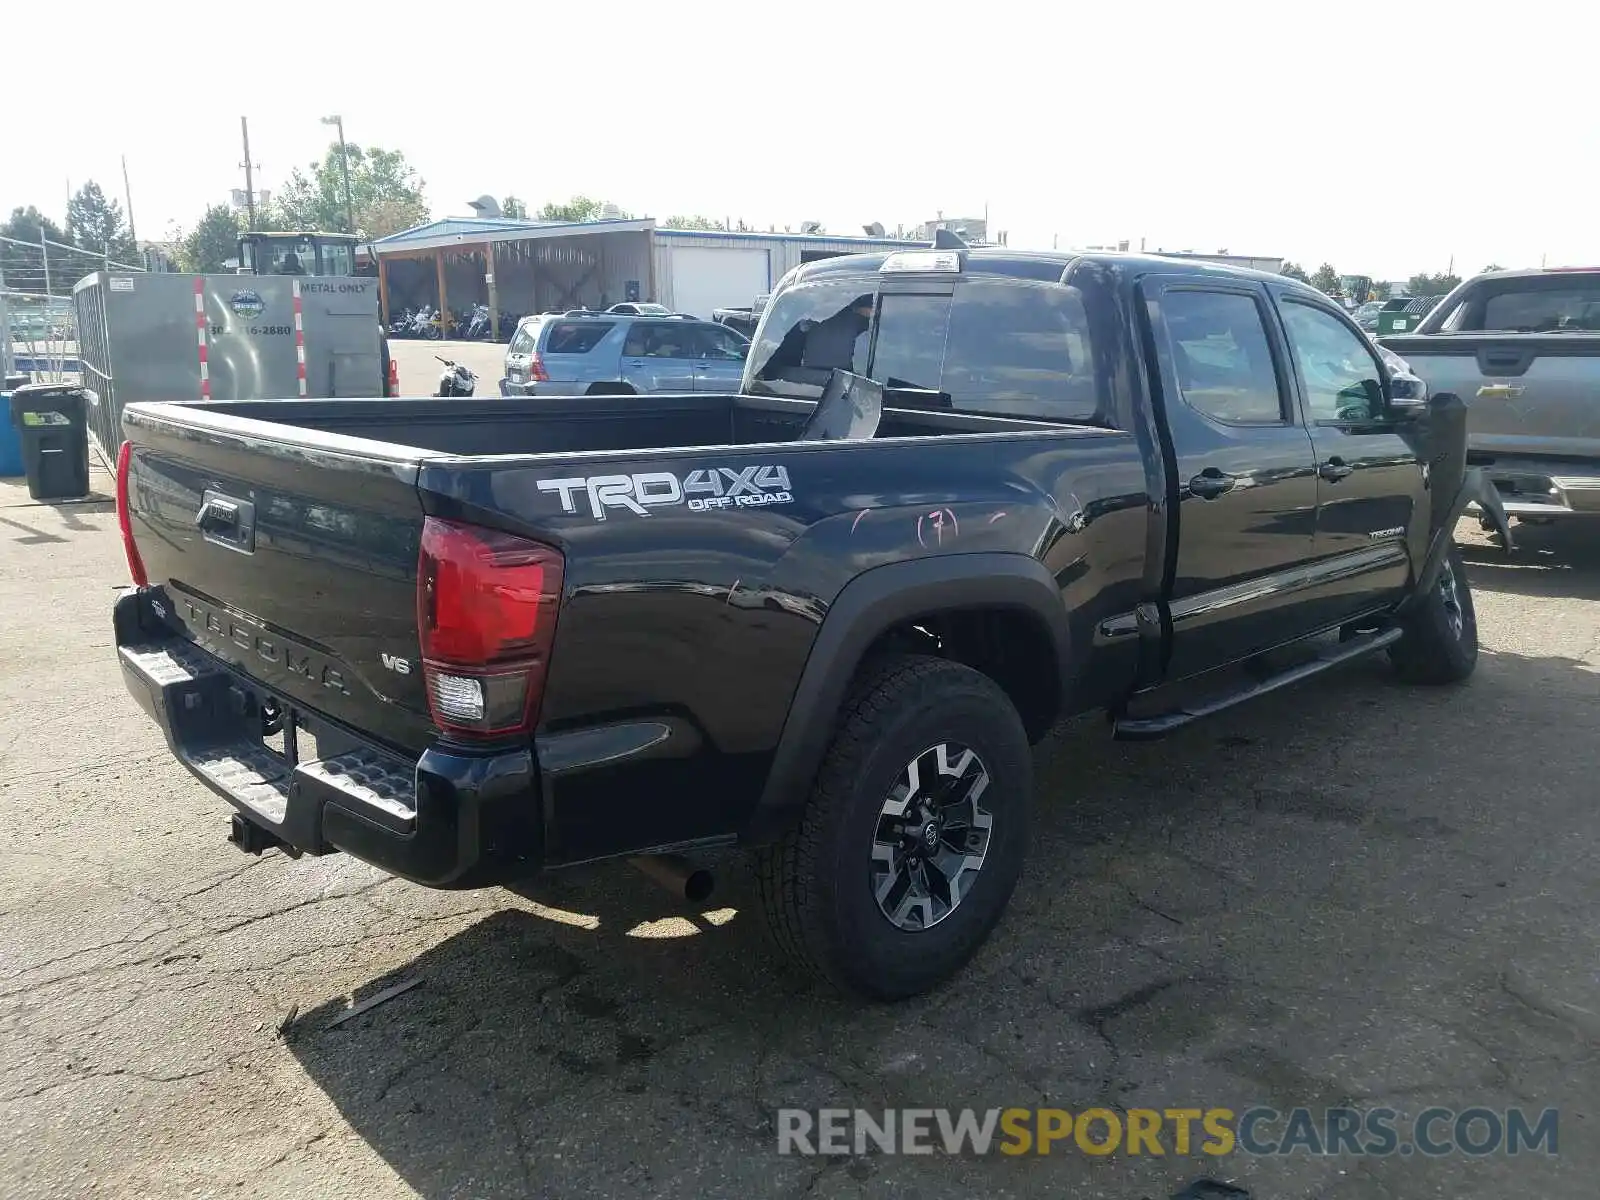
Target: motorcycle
pixel 455 380
pixel 420 323
pixel 477 325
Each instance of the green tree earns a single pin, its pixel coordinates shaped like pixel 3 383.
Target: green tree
pixel 513 206
pixel 385 193
pixel 1381 290
pixel 1295 271
pixel 1326 279
pixel 579 208
pixel 213 240
pixel 27 224
pixel 98 225
pixel 21 261
pixel 695 222
pixel 1431 285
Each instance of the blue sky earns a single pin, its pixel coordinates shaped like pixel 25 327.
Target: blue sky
pixel 1387 138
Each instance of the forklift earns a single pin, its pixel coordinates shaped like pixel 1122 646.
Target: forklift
pixel 263 253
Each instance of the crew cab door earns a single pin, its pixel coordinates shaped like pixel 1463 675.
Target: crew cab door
pixel 721 363
pixel 659 356
pixel 1369 480
pixel 1247 483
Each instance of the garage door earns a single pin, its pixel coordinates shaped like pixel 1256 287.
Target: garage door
pixel 704 278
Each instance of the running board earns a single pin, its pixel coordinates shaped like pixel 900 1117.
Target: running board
pixel 1144 729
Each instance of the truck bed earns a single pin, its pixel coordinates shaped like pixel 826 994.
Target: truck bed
pixel 568 425
pixel 699 537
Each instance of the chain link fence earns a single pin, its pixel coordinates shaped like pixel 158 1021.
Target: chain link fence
pixel 38 321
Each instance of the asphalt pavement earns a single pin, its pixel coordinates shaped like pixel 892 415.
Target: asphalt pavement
pixel 1357 893
pixel 419 365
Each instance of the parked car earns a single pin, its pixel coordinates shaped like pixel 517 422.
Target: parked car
pixel 1366 315
pixel 821 617
pixel 638 308
pixel 592 354
pixel 1522 348
pixel 741 320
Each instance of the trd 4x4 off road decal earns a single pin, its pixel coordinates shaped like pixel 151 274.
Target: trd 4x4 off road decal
pixel 701 491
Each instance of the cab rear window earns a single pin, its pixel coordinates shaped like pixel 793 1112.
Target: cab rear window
pixel 996 347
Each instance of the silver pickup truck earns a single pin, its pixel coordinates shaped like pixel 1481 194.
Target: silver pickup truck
pixel 1522 348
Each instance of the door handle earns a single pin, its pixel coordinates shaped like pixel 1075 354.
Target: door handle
pixel 226 521
pixel 1334 469
pixel 1211 483
pixel 218 516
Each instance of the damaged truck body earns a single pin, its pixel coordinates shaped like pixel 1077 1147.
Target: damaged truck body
pixel 960 495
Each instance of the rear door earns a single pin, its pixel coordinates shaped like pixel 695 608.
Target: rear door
pixel 721 363
pixel 579 352
pixel 1369 479
pixel 519 354
pixel 1246 470
pixel 660 356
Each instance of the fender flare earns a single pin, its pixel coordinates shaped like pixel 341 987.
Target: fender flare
pixel 868 606
pixel 1475 488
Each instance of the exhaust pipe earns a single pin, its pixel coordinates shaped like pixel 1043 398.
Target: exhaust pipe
pixel 678 875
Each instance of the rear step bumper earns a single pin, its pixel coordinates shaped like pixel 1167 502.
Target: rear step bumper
pixel 453 818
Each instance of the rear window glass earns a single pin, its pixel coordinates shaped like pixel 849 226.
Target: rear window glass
pixel 808 331
pixel 1020 351
pixel 575 337
pixel 911 338
pixel 522 342
pixel 1544 311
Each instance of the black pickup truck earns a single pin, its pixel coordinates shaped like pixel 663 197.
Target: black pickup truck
pixel 468 640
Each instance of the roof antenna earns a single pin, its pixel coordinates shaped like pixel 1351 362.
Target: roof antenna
pixel 944 239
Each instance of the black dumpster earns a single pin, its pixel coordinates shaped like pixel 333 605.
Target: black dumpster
pixel 52 421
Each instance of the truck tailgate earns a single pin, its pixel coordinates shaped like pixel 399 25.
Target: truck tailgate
pixel 1528 393
pixel 296 565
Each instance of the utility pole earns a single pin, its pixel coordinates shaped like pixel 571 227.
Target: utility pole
pixel 249 174
pixel 344 169
pixel 127 194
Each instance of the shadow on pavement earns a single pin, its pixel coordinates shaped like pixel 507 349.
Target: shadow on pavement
pixel 1559 559
pixel 1217 916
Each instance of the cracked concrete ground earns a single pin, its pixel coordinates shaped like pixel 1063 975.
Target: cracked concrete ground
pixel 1356 893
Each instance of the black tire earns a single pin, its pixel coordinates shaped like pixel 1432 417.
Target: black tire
pixel 817 885
pixel 610 389
pixel 1441 634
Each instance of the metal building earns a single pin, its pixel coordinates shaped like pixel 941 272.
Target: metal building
pixel 697 271
pixel 520 266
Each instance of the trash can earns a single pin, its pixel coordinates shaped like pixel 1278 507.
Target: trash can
pixel 52 421
pixel 10 439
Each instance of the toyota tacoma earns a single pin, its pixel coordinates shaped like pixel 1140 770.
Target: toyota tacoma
pixel 960 495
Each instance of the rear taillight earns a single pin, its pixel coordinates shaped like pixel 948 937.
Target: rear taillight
pixel 125 516
pixel 394 379
pixel 536 371
pixel 486 612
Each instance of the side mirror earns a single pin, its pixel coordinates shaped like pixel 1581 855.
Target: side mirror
pixel 1408 396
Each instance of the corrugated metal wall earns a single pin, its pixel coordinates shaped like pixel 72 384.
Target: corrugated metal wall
pixel 783 251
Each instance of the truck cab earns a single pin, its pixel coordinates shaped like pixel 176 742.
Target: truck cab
pixel 300 253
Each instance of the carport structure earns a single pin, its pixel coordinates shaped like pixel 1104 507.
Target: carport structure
pixel 514 266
